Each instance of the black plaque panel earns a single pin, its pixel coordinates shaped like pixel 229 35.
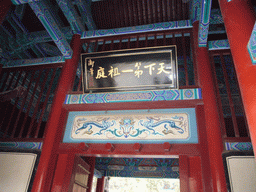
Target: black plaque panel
pixel 127 70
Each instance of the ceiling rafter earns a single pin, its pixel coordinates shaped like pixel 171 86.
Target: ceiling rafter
pixel 72 16
pixel 85 11
pixel 46 18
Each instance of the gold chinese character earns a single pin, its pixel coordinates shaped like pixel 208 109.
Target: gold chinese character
pixel 91 63
pixel 101 73
pixel 113 72
pixel 91 71
pixel 127 71
pixel 150 67
pixel 138 72
pixel 161 69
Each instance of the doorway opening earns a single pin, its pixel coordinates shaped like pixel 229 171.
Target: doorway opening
pixel 124 174
pixel 127 184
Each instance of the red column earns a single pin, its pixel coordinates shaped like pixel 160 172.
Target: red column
pixel 184 173
pixel 54 127
pixel 239 19
pixel 63 172
pixel 90 161
pixel 100 184
pixel 4 8
pixel 206 82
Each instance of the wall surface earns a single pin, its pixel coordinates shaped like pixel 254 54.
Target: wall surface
pixel 16 171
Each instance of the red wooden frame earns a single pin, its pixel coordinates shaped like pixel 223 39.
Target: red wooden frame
pixel 237 137
pixel 213 131
pixel 17 128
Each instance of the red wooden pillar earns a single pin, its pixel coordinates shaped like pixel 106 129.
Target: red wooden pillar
pixel 239 19
pixel 54 127
pixel 100 184
pixel 4 8
pixel 63 172
pixel 213 132
pixel 90 161
pixel 184 173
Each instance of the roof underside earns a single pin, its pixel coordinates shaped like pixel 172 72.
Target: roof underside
pixel 23 36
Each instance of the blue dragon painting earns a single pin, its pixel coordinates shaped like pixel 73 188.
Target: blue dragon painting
pixel 88 125
pixel 168 125
pixel 127 127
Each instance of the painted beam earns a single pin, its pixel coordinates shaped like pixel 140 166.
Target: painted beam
pixel 195 10
pixel 16 48
pixel 134 96
pixel 218 44
pixel 15 24
pixel 85 11
pixel 51 26
pixel 204 22
pixel 19 2
pixel 252 45
pixel 50 49
pixel 19 44
pixel 72 16
pixel 22 145
pixel 39 61
pixel 43 36
pixel 138 29
pixel 13 45
pixel 216 17
pixel 19 10
pixel 27 40
pixel 39 51
pixel 18 22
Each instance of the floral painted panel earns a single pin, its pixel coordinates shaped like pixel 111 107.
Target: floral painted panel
pixel 141 125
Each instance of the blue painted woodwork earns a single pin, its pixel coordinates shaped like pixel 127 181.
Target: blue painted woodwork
pixel 252 45
pixel 50 49
pixel 195 10
pixel 16 23
pixel 216 17
pixel 238 146
pixel 130 167
pixel 85 11
pixel 23 40
pixel 72 16
pixel 19 2
pixel 204 22
pixel 43 36
pixel 19 10
pixel 218 44
pixel 51 26
pixel 22 145
pixel 138 29
pixel 39 61
pixel 134 96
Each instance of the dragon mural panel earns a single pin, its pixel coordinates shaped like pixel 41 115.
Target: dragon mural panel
pixel 146 126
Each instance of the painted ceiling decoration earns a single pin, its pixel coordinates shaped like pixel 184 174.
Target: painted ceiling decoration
pixel 138 167
pixel 39 31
